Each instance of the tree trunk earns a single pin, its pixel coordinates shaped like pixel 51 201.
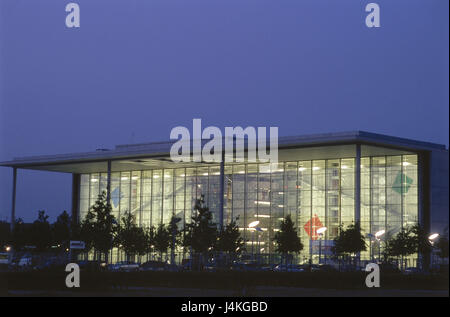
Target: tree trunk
pixel 172 256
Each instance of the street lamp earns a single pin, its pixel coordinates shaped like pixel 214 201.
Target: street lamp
pixel 320 232
pixel 433 237
pixel 378 235
pixel 252 225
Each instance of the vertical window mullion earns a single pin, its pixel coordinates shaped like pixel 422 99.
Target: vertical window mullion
pixel 151 197
pixel 162 196
pixel 402 216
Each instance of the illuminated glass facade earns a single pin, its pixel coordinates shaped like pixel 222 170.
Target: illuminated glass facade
pixel 322 180
pixel 315 192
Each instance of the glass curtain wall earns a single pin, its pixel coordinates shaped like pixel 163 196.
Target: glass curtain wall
pixel 389 199
pixel 316 193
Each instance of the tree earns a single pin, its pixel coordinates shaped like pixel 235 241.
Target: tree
pixel 230 241
pixel 349 242
pixel 150 233
pixel 131 238
pixel 75 229
pixel 423 244
pixel 20 235
pixel 174 236
pixel 408 241
pixel 61 229
pixel 161 240
pixel 286 239
pixel 401 245
pixel 40 232
pixel 201 233
pixel 5 234
pixel 97 229
pixel 87 230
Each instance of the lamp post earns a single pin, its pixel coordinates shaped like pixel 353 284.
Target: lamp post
pixel 372 240
pixel 431 239
pixel 252 225
pixel 378 234
pixel 320 232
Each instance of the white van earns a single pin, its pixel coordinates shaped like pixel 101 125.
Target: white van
pixel 4 258
pixel 25 261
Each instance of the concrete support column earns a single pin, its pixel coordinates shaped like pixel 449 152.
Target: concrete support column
pixel 358 184
pixel 75 197
pixel 108 198
pixel 222 189
pixel 13 202
pixel 358 191
pixel 423 173
pixel 108 183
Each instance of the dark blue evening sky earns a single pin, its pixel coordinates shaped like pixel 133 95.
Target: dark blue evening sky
pixel 137 68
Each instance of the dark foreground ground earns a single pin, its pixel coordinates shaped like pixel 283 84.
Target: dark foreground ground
pixel 260 291
pixel 227 283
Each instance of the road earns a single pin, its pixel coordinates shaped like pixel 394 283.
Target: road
pixel 257 292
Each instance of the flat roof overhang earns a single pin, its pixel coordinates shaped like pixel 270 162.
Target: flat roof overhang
pixel 156 155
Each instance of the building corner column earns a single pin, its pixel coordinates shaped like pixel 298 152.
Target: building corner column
pixel 13 202
pixel 108 183
pixel 222 189
pixel 423 173
pixel 358 184
pixel 108 201
pixel 358 191
pixel 75 197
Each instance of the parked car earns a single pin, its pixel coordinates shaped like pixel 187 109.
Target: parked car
pixel 186 264
pixel 49 264
pixel 174 268
pixel 22 263
pixel 210 267
pixel 25 261
pixel 411 270
pixel 245 266
pixel 153 266
pixel 125 266
pixel 389 268
pixel 350 268
pixel 4 258
pixel 93 266
pixel 322 268
pixel 267 267
pixel 288 268
pixel 189 264
pixel 4 261
pixel 439 269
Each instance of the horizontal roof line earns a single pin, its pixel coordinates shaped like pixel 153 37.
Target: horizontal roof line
pixel 163 148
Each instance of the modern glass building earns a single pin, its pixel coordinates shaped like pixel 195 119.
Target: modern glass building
pixel 326 180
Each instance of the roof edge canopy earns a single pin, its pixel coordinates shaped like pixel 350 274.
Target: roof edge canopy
pixel 162 149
